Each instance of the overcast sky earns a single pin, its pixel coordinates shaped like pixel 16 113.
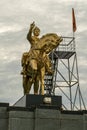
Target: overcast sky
pixel 51 16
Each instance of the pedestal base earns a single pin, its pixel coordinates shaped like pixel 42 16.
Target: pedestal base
pixel 31 100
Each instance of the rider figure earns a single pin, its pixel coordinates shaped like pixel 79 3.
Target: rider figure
pixel 35 49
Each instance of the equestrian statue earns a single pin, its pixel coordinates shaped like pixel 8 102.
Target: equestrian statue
pixel 36 63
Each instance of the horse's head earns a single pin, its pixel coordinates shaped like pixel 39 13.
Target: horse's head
pixel 50 41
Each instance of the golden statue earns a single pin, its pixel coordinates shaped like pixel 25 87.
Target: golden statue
pixel 36 62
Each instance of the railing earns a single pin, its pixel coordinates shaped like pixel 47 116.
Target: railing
pixel 68 44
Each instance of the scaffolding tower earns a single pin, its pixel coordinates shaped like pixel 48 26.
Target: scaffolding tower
pixel 65 79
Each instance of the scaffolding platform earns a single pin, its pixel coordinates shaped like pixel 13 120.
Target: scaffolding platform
pixel 65 76
pixel 61 54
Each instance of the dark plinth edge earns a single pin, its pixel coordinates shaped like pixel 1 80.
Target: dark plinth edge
pixel 32 108
pixel 4 104
pixel 80 112
pixel 44 106
pixel 13 108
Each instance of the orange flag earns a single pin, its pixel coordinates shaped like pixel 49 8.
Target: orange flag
pixel 73 20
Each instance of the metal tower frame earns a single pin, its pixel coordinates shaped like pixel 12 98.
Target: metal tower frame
pixel 65 80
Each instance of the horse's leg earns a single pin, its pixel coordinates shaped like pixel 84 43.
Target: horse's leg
pixel 42 80
pixel 32 72
pixel 29 84
pixel 25 80
pixel 36 86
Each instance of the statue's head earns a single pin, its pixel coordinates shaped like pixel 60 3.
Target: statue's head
pixel 36 31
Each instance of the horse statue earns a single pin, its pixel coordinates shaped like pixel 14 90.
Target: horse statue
pixel 36 62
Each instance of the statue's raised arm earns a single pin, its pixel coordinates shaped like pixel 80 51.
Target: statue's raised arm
pixel 29 35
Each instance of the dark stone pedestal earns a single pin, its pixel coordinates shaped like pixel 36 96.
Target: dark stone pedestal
pixel 47 101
